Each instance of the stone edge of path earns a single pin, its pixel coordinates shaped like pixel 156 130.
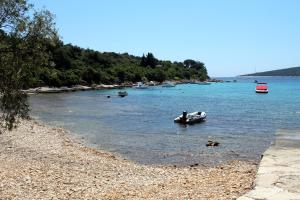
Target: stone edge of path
pixel 278 175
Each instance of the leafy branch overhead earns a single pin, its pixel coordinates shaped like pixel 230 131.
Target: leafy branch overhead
pixel 25 36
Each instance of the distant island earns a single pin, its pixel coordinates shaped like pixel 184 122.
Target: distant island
pixel 293 71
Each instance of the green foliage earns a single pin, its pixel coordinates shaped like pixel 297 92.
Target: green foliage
pixel 149 61
pixel 73 65
pixel 91 76
pixel 25 37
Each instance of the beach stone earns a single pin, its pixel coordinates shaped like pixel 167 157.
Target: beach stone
pixel 194 165
pixel 41 166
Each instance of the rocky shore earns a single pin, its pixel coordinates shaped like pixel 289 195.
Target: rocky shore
pixel 42 162
pixel 75 88
pixel 70 89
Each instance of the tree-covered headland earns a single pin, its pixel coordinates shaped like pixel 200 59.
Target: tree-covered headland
pixel 72 65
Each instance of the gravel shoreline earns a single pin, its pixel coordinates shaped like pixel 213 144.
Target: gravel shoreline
pixel 38 161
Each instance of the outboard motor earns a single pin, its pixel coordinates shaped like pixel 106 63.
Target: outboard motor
pixel 184 116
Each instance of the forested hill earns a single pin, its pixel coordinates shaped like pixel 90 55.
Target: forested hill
pixel 293 71
pixel 72 65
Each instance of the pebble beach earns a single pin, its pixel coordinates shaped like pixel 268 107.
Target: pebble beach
pixel 38 161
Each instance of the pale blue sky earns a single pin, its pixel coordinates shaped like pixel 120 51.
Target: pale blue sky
pixel 231 37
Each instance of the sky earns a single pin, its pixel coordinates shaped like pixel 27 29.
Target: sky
pixel 232 37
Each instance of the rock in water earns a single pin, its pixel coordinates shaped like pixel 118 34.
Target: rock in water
pixel 211 143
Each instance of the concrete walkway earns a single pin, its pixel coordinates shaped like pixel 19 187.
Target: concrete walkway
pixel 278 176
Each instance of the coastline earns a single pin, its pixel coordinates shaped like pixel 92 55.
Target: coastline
pixel 43 162
pixel 48 89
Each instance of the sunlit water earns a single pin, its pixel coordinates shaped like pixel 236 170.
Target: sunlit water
pixel 140 126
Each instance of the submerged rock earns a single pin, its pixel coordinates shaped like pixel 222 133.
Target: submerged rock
pixel 211 143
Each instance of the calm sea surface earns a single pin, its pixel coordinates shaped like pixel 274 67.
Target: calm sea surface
pixel 140 126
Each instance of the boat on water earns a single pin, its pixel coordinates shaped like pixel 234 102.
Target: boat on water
pixel 141 85
pixel 261 88
pixel 122 93
pixel 190 118
pixel 152 83
pixel 203 83
pixel 168 84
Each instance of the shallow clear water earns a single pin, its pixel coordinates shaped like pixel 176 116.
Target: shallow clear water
pixel 140 126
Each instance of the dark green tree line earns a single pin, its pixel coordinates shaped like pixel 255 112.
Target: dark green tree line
pixel 74 65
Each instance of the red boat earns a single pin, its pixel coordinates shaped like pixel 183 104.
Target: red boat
pixel 261 88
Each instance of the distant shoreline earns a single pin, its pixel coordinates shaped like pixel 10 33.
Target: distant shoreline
pixel 47 89
pixel 292 71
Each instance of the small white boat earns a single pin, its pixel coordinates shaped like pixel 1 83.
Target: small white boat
pixel 168 84
pixel 152 83
pixel 140 85
pixel 122 93
pixel 190 118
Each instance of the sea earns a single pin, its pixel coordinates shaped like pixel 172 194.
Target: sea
pixel 140 127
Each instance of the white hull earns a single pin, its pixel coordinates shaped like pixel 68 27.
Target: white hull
pixel 191 118
pixel 140 85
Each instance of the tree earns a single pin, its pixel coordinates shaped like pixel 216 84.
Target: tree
pixel 91 76
pixel 62 58
pixel 189 63
pixel 194 64
pixel 148 60
pixel 25 35
pixel 151 60
pixel 143 61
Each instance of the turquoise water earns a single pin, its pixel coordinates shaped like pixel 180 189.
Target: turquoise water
pixel 140 126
